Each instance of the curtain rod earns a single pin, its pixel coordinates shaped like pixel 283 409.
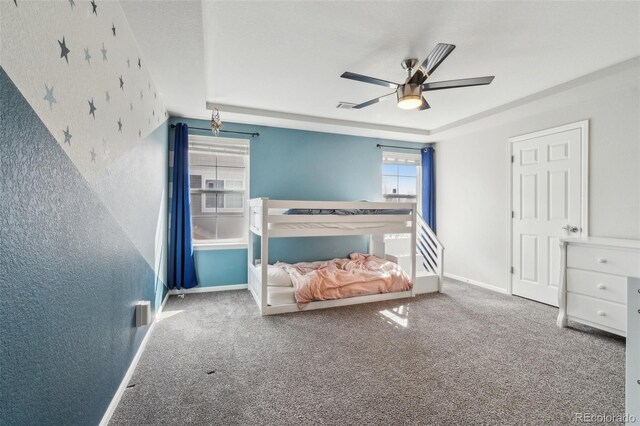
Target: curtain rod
pixel 399 147
pixel 222 131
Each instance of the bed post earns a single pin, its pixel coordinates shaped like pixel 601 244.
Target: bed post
pixel 250 256
pixel 413 247
pixel 264 254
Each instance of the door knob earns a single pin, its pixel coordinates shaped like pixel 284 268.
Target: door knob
pixel 570 228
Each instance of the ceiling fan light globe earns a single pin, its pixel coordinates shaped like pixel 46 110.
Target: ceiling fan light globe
pixel 409 96
pixel 410 102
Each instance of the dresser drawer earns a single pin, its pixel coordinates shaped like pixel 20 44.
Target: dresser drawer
pixel 610 261
pixel 597 284
pixel 597 311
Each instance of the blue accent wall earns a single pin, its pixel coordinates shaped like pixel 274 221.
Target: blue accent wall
pixel 69 278
pixel 289 164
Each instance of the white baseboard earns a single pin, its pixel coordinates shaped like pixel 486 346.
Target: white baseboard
pixel 208 289
pixel 132 367
pixel 477 283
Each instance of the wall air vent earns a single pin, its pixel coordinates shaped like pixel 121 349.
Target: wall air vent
pixel 345 105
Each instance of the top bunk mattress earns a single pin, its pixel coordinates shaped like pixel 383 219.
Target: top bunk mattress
pixel 329 225
pixel 345 212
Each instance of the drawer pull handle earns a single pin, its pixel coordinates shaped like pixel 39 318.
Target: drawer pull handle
pixel 602 260
pixel 602 313
pixel 601 286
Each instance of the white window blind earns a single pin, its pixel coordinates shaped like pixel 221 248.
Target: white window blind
pixel 219 182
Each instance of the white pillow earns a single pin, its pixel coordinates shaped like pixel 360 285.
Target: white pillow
pixel 278 277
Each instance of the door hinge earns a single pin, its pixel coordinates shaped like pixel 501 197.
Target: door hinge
pixel 513 158
pixel 513 214
pixel 513 271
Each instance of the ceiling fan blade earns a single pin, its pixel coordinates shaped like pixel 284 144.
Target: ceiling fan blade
pixel 367 79
pixel 424 105
pixel 452 84
pixel 372 101
pixel 435 58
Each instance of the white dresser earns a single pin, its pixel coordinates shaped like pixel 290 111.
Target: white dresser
pixel 600 287
pixel 593 281
pixel 633 349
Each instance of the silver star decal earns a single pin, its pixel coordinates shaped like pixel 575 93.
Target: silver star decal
pixel 121 83
pixel 63 49
pixel 49 96
pixel 104 53
pixel 72 3
pixel 92 109
pixel 113 29
pixel 87 57
pixel 108 96
pixel 95 7
pixel 93 155
pixel 119 125
pixel 67 136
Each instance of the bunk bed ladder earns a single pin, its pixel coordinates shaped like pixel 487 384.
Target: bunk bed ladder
pixel 430 249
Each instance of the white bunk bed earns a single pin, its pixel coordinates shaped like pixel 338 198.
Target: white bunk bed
pixel 267 220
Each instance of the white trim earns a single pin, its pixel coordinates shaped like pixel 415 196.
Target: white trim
pixel 583 126
pixel 314 119
pixel 220 246
pixel 175 292
pixel 132 367
pixel 476 283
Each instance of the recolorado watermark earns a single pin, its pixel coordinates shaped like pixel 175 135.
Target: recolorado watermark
pixel 602 418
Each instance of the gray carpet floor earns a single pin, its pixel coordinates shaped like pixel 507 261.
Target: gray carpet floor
pixel 467 356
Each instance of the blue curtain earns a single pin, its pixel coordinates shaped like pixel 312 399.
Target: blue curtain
pixel 182 269
pixel 429 188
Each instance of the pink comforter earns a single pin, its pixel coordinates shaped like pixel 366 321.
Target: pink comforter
pixel 340 278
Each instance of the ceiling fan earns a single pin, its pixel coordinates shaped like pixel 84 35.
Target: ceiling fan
pixel 409 93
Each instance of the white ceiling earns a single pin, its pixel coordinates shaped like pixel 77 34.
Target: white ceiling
pixel 264 60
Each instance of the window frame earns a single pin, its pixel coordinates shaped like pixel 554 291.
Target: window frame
pixel 229 243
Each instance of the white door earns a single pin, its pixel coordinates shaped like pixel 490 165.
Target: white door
pixel 546 206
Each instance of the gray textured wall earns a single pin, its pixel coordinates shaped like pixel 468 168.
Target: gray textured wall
pixel 69 276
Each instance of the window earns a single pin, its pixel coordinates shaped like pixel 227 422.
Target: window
pixel 219 181
pixel 401 177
